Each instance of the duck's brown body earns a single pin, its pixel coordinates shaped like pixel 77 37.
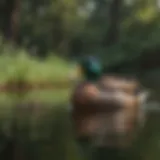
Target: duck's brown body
pixel 126 85
pixel 109 121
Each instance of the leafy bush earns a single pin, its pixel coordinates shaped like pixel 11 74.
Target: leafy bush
pixel 21 67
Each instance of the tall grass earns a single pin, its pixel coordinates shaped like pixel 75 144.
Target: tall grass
pixel 20 66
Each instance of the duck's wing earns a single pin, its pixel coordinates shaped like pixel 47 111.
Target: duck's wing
pixel 90 96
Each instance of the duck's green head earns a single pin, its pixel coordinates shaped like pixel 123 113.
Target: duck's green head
pixel 91 68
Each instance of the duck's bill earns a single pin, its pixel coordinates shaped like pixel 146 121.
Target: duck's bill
pixel 76 73
pixel 79 71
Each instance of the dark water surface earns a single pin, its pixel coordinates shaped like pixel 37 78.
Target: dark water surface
pixel 41 130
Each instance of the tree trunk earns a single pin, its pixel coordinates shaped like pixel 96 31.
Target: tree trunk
pixel 11 14
pixel 114 20
pixel 15 16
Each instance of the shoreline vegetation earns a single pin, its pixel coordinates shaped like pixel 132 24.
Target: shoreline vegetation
pixel 25 86
pixel 20 71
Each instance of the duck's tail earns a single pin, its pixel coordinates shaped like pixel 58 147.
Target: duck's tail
pixel 143 96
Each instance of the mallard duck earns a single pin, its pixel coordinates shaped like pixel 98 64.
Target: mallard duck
pixel 92 71
pixel 105 108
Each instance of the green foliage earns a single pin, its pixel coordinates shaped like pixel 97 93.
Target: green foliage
pixel 20 67
pixel 50 24
pixel 51 27
pixel 54 25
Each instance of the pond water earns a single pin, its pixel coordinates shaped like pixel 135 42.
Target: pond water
pixel 40 126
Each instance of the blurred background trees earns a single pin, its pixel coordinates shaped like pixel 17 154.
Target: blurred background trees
pixel 115 30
